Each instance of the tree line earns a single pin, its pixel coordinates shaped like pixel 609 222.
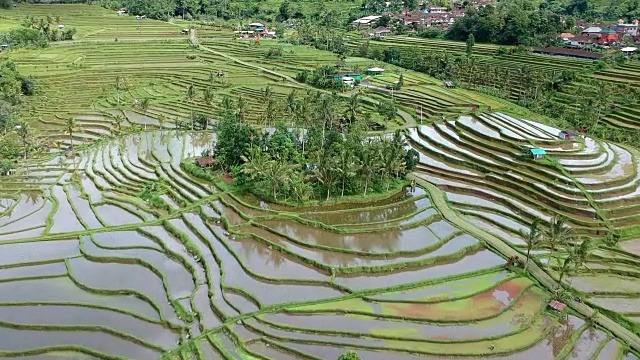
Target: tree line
pixel 570 96
pixel 16 138
pixel 321 151
pixel 37 32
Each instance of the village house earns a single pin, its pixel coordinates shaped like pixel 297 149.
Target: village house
pixel 582 41
pixel 338 76
pixel 628 29
pixel 440 20
pixel 379 32
pixel 366 21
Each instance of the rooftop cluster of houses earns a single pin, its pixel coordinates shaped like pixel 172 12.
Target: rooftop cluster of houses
pixel 428 16
pixel 255 30
pixel 349 78
pixel 601 34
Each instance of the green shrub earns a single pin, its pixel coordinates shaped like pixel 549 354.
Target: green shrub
pixel 349 355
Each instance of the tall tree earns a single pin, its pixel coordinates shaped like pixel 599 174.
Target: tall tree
pixel 71 125
pixel 368 160
pixel 208 95
pixel 556 234
pixel 24 131
pixel 241 112
pixel 347 165
pixel 191 95
pixel 353 106
pixel 387 109
pixel 326 172
pixel 576 258
pixel 471 41
pixel 118 120
pixel 533 238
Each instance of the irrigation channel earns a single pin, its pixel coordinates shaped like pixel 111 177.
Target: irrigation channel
pixel 89 270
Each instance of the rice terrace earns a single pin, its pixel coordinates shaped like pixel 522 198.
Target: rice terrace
pixel 296 180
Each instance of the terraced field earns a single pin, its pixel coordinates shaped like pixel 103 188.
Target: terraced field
pixel 507 71
pixel 227 278
pixel 96 23
pixel 90 270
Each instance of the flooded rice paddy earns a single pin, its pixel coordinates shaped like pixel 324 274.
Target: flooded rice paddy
pixel 89 270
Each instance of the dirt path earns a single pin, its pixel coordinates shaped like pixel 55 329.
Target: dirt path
pixel 439 199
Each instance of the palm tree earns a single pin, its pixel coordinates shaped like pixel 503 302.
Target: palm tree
pixel 300 187
pixel 120 84
pixel 208 95
pixel 70 126
pixel 270 112
pixel 267 94
pixel 24 132
pixel 326 172
pixel 191 94
pixel 368 160
pixel 557 234
pixel 347 166
pixel 260 166
pixel 278 173
pixel 241 112
pixel 292 103
pixel 353 106
pixel 576 258
pixel 533 238
pixel 118 120
pixel 143 105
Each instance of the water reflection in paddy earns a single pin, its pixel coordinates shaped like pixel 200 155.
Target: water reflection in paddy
pixel 69 315
pixel 272 263
pixel 480 260
pixel 335 258
pixel 388 213
pixel 24 340
pixel 378 242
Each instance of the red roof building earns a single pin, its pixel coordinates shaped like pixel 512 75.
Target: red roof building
pixel 557 305
pixel 205 161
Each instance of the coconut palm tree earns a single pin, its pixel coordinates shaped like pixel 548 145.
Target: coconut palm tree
pixel 353 106
pixel 143 105
pixel 71 125
pixel 368 160
pixel 557 234
pixel 208 95
pixel 24 131
pixel 118 120
pixel 347 165
pixel 577 257
pixel 533 238
pixel 326 172
pixel 119 85
pixel 278 173
pixel 241 112
pixel 292 103
pixel 191 95
pixel 300 187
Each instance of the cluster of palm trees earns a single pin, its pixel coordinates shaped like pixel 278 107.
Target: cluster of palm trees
pixel 572 96
pixel 557 235
pixel 349 165
pixel 48 26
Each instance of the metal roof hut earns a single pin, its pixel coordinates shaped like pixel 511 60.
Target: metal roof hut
pixel 535 153
pixel 375 71
pixel 568 134
pixel 557 305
